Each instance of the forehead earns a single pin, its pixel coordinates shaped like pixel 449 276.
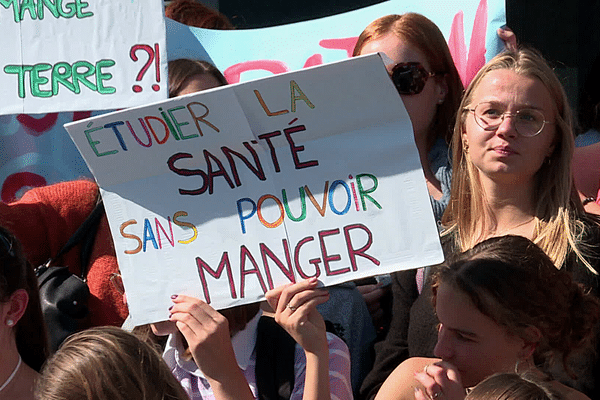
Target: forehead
pixel 197 83
pixel 396 48
pixel 513 89
pixel 456 311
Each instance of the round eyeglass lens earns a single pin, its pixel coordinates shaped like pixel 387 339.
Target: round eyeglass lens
pixel 528 121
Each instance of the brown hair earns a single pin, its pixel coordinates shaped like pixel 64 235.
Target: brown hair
pixel 422 33
pixel 193 13
pixel 107 363
pixel 182 69
pixel 512 281
pixel 16 273
pixel 509 386
pixel 558 207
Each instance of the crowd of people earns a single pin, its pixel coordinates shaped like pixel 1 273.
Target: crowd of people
pixel 512 314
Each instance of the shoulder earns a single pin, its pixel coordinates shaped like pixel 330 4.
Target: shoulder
pixel 71 194
pixel 567 392
pixel 400 384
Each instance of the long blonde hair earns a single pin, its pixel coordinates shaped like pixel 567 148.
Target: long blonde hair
pixel 558 227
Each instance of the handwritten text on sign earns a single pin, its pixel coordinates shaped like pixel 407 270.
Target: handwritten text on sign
pixel 228 193
pixel 78 55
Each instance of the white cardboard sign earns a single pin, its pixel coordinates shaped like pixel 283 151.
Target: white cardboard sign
pixel 75 55
pixel 227 193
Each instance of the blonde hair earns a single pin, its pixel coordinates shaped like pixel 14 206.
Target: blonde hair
pixel 558 228
pixel 509 386
pixel 107 363
pixel 423 34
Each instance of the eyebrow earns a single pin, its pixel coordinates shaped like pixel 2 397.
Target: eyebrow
pixel 519 106
pixel 463 332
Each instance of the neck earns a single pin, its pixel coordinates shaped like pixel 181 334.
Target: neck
pixel 511 208
pixel 10 361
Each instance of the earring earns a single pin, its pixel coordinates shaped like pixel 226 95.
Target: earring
pixel 441 101
pixel 10 322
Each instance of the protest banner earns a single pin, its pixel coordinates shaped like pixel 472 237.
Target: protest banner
pixel 81 55
pixel 227 193
pixel 469 26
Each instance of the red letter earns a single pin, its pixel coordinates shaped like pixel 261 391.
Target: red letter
pixel 352 253
pixel 244 252
pixel 334 257
pixel 215 274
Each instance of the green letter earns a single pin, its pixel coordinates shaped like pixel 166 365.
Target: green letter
pixel 62 77
pixel 93 143
pixel 20 71
pixel 28 5
pixel 15 4
pixel 49 5
pixel 82 76
pixel 104 76
pixel 80 6
pixel 36 80
pixel 365 193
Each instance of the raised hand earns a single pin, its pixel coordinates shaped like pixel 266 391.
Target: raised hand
pixel 441 381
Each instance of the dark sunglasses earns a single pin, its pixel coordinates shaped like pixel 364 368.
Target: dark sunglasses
pixel 410 77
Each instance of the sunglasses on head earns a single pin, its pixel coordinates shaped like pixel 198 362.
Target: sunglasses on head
pixel 410 77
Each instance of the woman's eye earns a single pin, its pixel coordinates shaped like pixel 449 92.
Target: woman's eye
pixel 491 113
pixel 463 338
pixel 527 116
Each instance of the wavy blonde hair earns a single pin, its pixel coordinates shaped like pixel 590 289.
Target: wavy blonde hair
pixel 558 210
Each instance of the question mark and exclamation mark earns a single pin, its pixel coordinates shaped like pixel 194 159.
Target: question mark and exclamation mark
pixel 153 56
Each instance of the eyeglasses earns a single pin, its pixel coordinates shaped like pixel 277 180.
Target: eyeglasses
pixel 528 122
pixel 410 77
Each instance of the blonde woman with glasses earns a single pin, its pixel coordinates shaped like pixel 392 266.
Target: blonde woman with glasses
pixel 512 149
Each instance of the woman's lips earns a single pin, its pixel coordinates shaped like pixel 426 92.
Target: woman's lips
pixel 504 150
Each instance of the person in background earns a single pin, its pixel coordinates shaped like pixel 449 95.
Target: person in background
pixel 502 307
pixel 426 78
pixel 586 160
pixel 107 363
pixel 237 353
pixel 22 331
pixel 512 151
pixel 194 13
pixel 512 386
pixel 190 76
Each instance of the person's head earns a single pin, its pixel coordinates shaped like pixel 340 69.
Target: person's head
pixel 107 363
pixel 519 81
pixel 503 304
pixel 21 320
pixel 194 13
pixel 190 76
pixel 514 152
pixel 512 386
pixel 410 38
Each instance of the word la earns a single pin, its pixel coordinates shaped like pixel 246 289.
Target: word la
pixel 296 94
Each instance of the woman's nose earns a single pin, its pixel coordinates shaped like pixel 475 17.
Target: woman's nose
pixel 443 348
pixel 507 126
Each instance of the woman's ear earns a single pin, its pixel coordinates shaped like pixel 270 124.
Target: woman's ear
pixel 17 304
pixel 531 337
